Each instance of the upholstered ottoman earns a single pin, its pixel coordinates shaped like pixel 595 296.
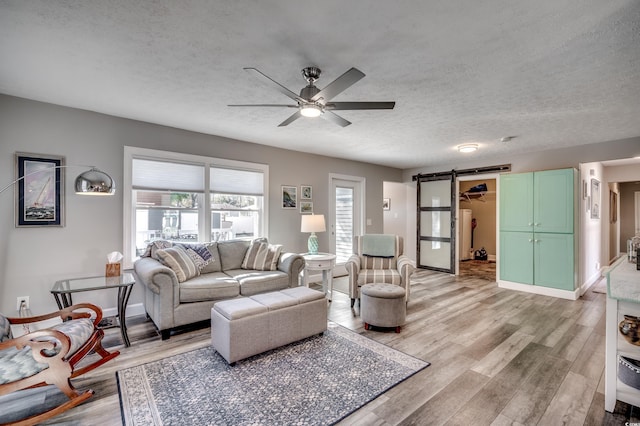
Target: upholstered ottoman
pixel 248 326
pixel 383 305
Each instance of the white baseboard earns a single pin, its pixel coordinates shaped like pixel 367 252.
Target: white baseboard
pixel 545 291
pixel 591 281
pixel 132 311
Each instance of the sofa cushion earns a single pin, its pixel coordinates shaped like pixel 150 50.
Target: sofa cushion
pixel 232 253
pixel 179 261
pixel 212 286
pixel 262 256
pixel 389 276
pixel 254 282
pixel 154 246
pixel 215 265
pixel 199 254
pixel 369 262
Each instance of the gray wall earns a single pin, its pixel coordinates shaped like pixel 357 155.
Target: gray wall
pixel 31 260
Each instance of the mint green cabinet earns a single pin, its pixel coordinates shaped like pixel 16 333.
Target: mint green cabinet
pixel 537 228
pixel 553 201
pixel 516 202
pixel 516 254
pixel 553 260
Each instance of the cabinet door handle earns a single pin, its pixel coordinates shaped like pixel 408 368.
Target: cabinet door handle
pixel 537 224
pixel 530 224
pixel 530 240
pixel 537 241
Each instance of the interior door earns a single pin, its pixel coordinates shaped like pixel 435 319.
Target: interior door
pixel 436 221
pixel 345 204
pixel 636 199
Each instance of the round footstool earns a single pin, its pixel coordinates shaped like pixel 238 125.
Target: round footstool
pixel 382 305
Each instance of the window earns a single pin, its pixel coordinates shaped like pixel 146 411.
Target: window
pixel 186 198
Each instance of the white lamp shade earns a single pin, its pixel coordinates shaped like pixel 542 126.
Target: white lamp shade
pixel 312 223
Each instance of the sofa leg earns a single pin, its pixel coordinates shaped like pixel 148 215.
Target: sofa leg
pixel 165 334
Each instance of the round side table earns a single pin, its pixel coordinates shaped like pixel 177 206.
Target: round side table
pixel 320 262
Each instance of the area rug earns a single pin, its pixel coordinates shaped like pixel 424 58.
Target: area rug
pixel 315 381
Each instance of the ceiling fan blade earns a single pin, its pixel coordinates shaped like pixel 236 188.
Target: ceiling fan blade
pixel 275 84
pixel 338 85
pixel 359 105
pixel 291 119
pixel 264 105
pixel 335 118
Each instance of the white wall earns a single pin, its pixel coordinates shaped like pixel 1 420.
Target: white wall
pixel 591 241
pixel 31 260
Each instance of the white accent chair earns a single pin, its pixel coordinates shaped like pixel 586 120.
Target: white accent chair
pixel 390 266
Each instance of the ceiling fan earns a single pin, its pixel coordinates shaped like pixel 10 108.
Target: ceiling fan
pixel 314 102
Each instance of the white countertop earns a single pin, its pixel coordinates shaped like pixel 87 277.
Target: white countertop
pixel 623 281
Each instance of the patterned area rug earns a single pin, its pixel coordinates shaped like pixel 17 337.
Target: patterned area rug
pixel 315 381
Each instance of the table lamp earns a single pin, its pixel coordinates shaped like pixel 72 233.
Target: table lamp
pixel 312 223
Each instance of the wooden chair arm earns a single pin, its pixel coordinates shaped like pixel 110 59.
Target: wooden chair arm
pixel 64 314
pixel 39 341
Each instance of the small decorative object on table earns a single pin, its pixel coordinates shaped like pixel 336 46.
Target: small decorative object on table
pixel 113 264
pixel 629 329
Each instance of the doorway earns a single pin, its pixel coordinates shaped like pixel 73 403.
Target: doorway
pixel 477 227
pixel 345 217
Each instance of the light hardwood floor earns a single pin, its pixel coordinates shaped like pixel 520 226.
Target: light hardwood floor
pixel 498 357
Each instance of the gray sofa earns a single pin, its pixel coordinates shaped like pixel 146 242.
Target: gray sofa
pixel 171 303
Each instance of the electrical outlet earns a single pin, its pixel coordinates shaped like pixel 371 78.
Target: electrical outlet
pixel 19 301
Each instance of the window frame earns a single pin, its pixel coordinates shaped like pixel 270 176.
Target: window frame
pixel 129 208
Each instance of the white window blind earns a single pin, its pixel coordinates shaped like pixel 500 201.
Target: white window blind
pixel 167 176
pixel 233 181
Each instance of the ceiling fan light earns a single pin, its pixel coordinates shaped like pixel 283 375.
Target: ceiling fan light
pixel 468 147
pixel 310 111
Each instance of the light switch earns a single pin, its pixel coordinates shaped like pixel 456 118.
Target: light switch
pixel 368 222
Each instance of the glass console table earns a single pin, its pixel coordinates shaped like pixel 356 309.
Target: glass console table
pixel 63 289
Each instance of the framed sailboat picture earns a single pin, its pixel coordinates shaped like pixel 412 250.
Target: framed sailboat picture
pixel 39 190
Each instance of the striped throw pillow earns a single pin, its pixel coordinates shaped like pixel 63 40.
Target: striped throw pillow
pixel 179 261
pixel 262 256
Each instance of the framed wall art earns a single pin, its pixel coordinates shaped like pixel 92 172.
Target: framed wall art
pixel 595 199
pixel 289 197
pixel 306 192
pixel 39 190
pixel 386 204
pixel 306 207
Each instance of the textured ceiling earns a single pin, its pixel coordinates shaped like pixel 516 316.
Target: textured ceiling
pixel 554 73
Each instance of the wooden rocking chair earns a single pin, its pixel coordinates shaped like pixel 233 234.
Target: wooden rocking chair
pixel 50 356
